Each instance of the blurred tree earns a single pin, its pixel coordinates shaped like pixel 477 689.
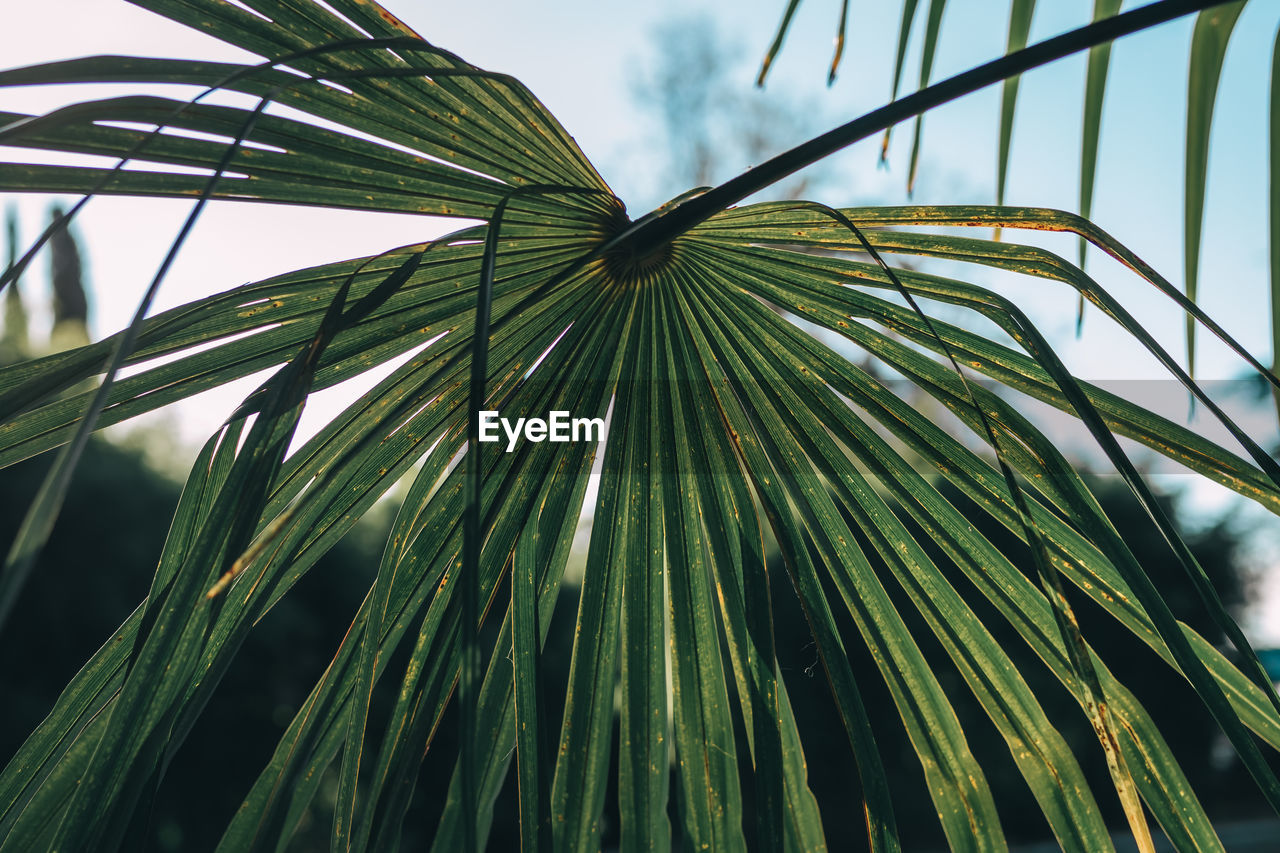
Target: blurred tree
pixel 14 345
pixel 66 278
pixel 713 122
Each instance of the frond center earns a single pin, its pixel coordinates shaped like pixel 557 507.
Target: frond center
pixel 629 264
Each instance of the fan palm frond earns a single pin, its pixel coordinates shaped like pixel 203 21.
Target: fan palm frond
pixel 734 432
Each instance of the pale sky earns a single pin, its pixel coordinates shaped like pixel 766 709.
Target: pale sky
pixel 582 57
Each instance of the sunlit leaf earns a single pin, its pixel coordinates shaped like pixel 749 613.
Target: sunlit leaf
pixel 752 446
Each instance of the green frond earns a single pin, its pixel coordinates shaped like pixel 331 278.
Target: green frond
pixel 739 357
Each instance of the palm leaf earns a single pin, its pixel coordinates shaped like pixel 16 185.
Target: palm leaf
pixel 1211 34
pixel 740 446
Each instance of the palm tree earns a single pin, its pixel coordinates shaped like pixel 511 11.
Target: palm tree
pixel 732 433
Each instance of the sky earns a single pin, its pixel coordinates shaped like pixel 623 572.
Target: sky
pixel 584 59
